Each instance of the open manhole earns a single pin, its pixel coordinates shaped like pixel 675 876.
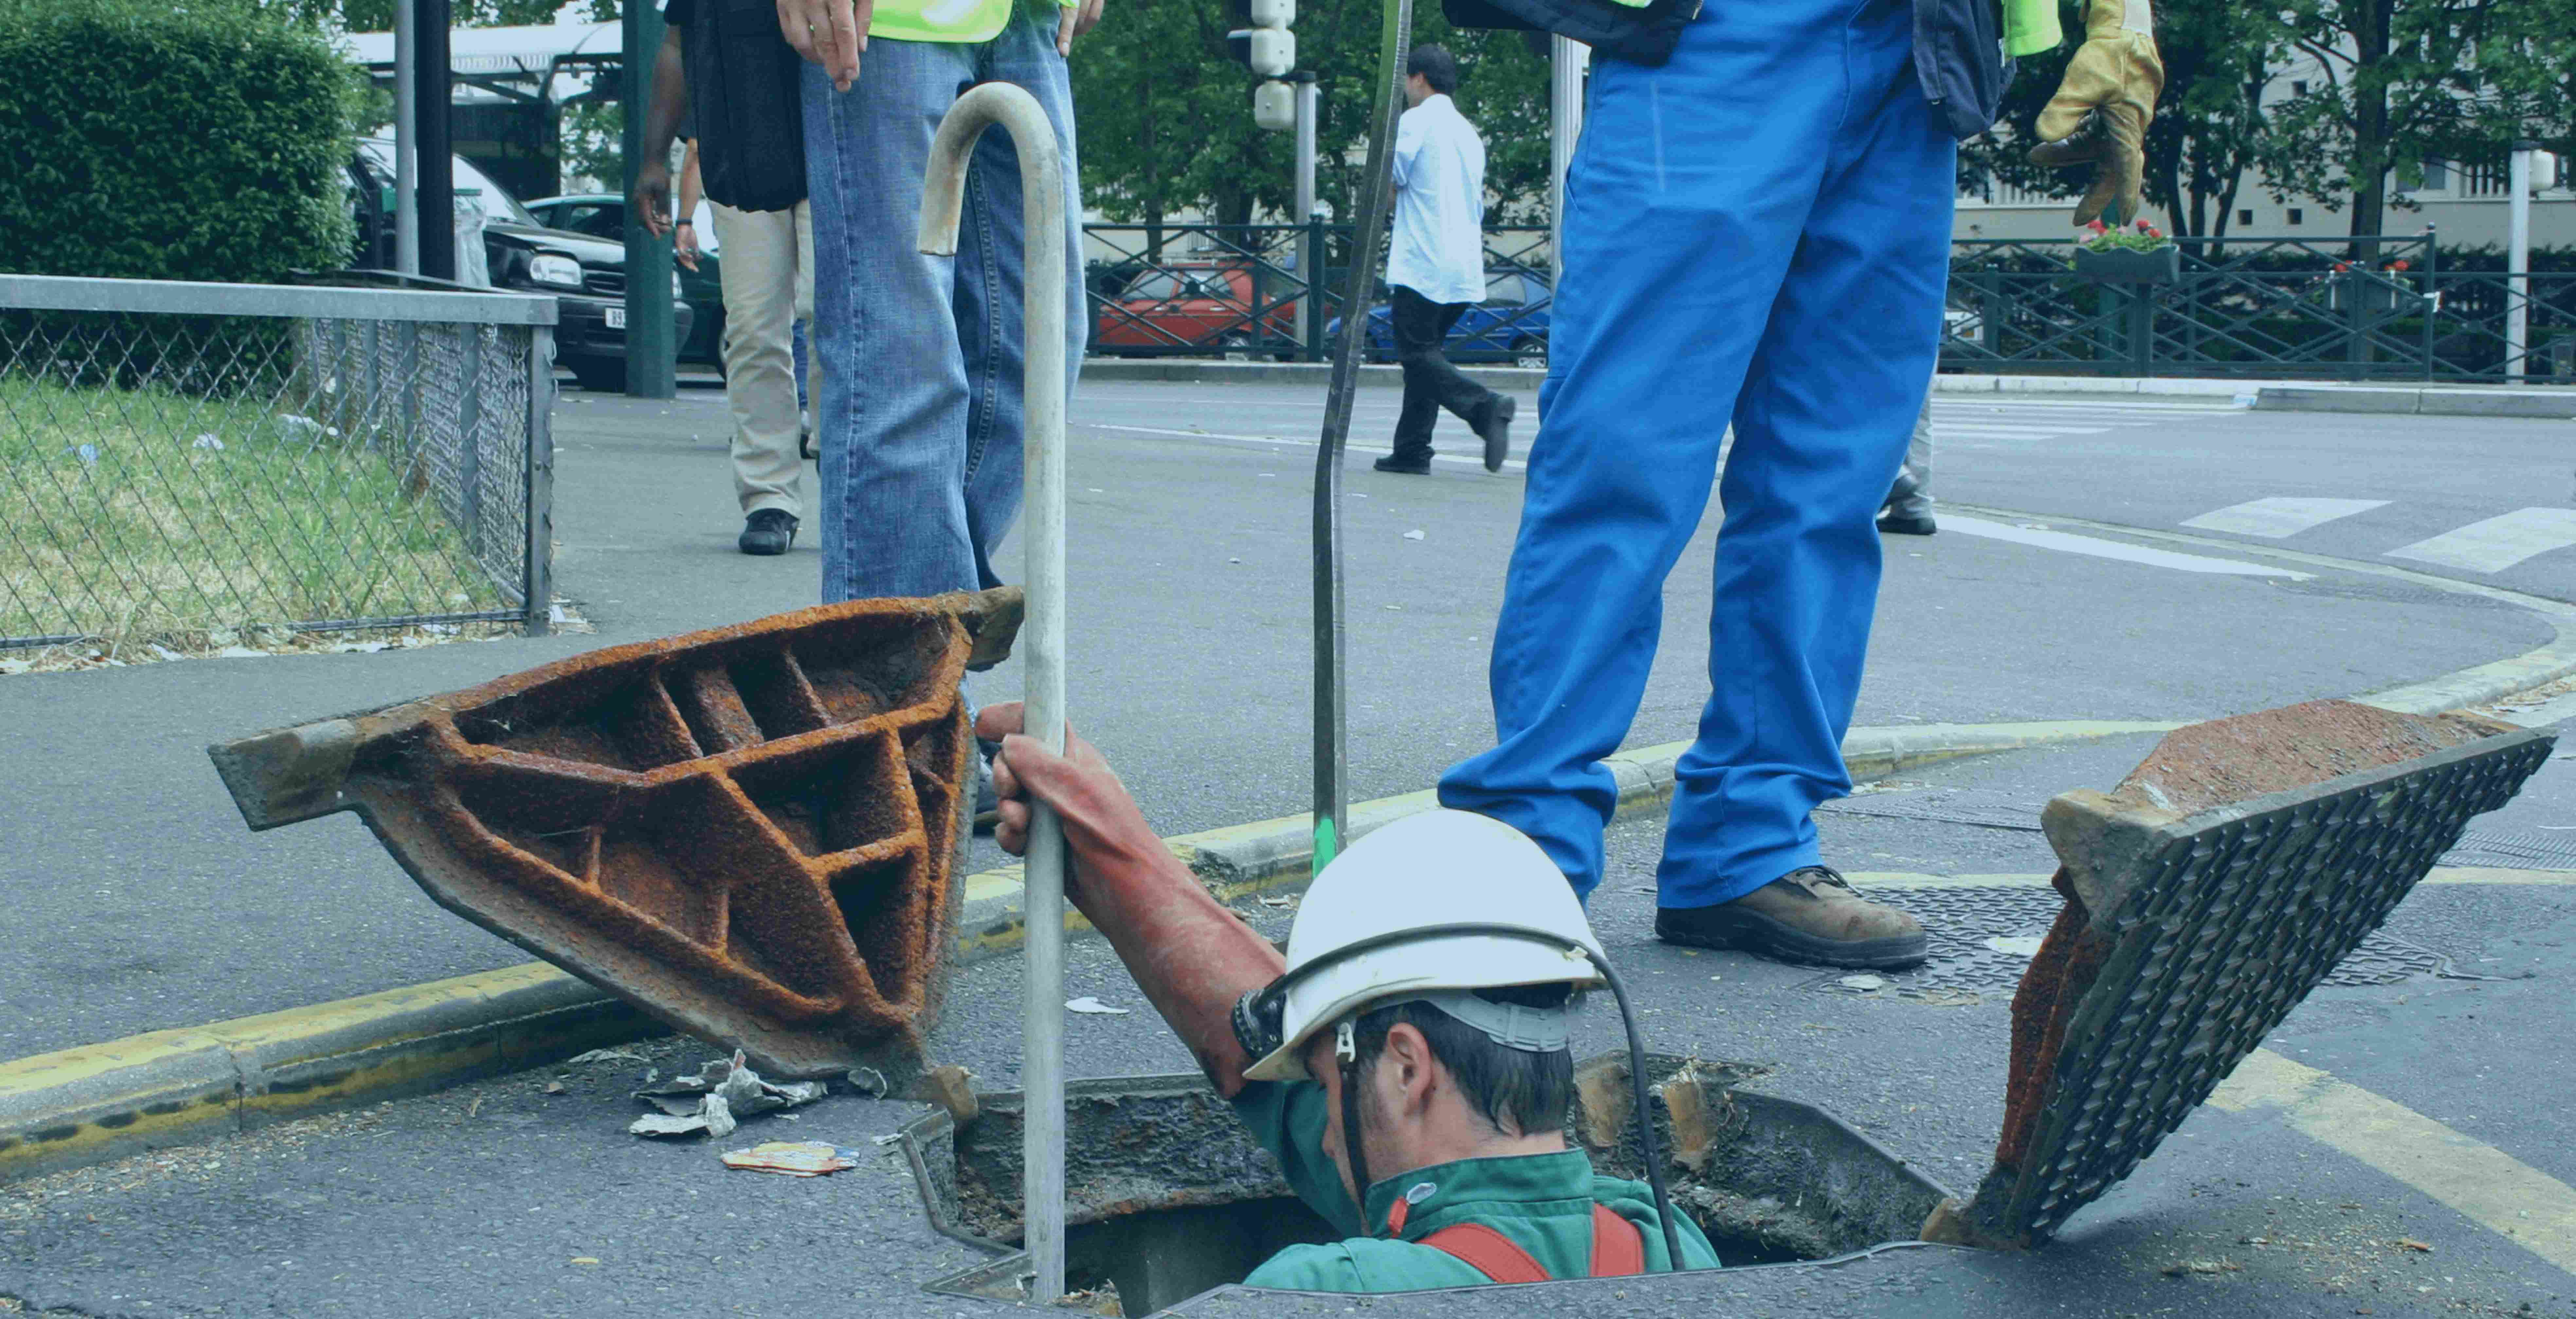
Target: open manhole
pixel 1167 1195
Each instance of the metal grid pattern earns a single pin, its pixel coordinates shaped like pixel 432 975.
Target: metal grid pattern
pixel 2258 307
pixel 1965 923
pixel 186 465
pixel 751 832
pixel 2235 916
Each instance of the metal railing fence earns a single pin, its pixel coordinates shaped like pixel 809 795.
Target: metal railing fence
pixel 2248 307
pixel 1247 291
pixel 181 463
pixel 2265 307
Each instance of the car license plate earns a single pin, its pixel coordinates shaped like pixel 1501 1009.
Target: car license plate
pixel 617 318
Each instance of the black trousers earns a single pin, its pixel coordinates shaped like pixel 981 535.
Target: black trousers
pixel 1430 382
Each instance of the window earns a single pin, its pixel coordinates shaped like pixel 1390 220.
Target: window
pixel 1503 289
pixel 2245 216
pixel 2296 215
pixel 1154 286
pixel 592 218
pixel 2299 87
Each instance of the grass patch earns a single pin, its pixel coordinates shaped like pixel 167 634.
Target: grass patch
pixel 138 515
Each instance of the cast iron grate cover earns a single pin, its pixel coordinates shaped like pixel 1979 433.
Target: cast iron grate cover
pixel 1961 921
pixel 2225 878
pixel 750 833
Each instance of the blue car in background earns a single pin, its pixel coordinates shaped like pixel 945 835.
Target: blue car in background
pixel 1510 325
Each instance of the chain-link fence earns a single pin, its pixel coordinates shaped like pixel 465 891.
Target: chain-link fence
pixel 181 462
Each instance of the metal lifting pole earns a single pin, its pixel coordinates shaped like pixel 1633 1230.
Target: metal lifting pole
pixel 1377 196
pixel 1042 636
pixel 2517 262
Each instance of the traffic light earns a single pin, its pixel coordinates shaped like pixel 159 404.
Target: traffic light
pixel 1262 43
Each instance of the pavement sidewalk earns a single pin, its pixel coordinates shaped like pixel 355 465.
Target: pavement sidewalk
pixel 146 908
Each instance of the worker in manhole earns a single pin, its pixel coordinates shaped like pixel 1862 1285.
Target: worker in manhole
pixel 1409 1062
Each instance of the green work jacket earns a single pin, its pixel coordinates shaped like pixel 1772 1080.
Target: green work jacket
pixel 1542 1202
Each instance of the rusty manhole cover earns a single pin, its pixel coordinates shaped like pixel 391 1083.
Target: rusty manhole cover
pixel 2223 880
pixel 751 833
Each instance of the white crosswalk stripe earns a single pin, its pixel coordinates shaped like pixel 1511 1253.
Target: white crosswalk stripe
pixel 2280 515
pixel 1981 422
pixel 2496 543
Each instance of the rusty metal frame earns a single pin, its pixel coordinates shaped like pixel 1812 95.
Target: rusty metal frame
pixel 751 833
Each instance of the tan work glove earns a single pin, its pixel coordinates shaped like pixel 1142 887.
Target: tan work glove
pixel 2102 107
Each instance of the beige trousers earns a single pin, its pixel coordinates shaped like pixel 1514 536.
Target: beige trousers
pixel 768 287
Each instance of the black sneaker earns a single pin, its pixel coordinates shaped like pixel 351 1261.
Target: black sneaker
pixel 767 531
pixel 1404 466
pixel 1497 431
pixel 1906 524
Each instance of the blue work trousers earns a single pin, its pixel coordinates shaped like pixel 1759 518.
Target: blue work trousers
pixel 1758 231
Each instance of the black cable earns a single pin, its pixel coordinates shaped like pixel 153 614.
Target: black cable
pixel 1645 1114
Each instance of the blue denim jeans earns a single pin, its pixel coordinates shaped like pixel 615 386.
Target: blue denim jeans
pixel 1757 232
pixel 920 419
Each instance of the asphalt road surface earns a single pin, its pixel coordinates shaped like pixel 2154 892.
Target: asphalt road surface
pixel 138 902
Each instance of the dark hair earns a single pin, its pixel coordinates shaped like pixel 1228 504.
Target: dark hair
pixel 1517 1091
pixel 1436 65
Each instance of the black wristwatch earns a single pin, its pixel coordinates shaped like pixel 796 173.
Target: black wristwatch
pixel 687 223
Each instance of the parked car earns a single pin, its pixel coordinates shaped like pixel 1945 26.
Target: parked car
pixel 586 274
pixel 1510 325
pixel 1191 305
pixel 603 215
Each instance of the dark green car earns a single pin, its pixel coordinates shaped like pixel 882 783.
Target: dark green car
pixel 603 215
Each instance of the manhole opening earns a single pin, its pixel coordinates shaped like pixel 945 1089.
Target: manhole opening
pixel 1166 1196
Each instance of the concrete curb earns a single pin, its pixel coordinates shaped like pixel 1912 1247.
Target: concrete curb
pixel 89 1104
pixel 2268 395
pixel 86 1105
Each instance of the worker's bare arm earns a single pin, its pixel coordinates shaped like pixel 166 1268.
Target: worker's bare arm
pixel 652 197
pixel 1191 956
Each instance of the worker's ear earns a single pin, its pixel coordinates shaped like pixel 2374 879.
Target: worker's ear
pixel 1407 1070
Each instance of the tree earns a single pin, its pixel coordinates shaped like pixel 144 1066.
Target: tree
pixel 2404 83
pixel 1166 115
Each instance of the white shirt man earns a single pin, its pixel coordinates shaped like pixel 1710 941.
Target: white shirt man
pixel 1437 265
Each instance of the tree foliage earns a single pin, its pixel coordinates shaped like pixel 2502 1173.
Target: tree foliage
pixel 1166 115
pixel 2397 83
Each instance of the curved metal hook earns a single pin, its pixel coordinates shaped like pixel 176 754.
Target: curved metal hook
pixel 943 199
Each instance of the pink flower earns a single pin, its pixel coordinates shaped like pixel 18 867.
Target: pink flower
pixel 2098 227
pixel 2142 226
pixel 2151 233
pixel 2398 264
pixel 2342 266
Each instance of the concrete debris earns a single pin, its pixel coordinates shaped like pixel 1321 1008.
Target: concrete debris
pixel 951 1087
pixel 1102 1300
pixel 716 1099
pixel 604 1056
pixel 793 1158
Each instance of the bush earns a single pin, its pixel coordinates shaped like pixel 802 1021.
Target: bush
pixel 191 140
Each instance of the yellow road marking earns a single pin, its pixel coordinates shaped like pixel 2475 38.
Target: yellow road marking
pixel 2485 1184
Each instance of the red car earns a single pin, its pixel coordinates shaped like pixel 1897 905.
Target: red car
pixel 1195 306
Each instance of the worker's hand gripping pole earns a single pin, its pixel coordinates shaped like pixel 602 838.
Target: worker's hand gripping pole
pixel 1042 636
pixel 1332 792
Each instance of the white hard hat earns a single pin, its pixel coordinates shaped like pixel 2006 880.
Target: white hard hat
pixel 1439 868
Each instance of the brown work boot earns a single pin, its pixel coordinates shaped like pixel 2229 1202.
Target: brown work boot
pixel 1810 914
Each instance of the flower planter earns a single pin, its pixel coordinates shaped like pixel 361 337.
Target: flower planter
pixel 2121 265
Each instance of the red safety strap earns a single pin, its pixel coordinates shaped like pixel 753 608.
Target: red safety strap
pixel 1618 1249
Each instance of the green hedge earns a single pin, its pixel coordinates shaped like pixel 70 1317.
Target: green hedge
pixel 192 139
